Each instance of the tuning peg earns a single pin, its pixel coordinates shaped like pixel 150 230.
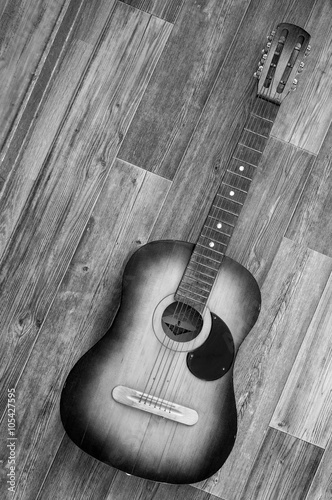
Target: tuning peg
pixel 301 66
pixel 271 36
pixel 258 73
pixel 307 50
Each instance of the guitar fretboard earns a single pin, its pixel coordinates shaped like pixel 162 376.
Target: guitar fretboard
pixel 202 269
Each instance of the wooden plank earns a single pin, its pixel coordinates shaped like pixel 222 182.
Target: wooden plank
pixel 180 86
pixel 25 27
pixel 321 486
pixel 82 310
pixel 310 109
pixel 271 201
pixel 168 9
pixel 71 181
pixel 104 482
pixel 219 127
pixel 311 223
pixel 291 293
pixel 305 407
pixel 56 85
pixel 283 469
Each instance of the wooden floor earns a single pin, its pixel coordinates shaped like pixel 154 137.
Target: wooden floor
pixel 117 118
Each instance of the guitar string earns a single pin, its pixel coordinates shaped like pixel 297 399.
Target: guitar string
pixel 250 144
pixel 249 124
pixel 237 185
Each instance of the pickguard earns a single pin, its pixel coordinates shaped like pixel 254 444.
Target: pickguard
pixel 214 358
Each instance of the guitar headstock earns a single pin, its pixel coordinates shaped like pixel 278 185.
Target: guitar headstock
pixel 282 61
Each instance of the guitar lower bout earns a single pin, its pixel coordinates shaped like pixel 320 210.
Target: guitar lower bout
pixel 154 397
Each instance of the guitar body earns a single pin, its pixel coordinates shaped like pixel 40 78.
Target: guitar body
pixel 137 354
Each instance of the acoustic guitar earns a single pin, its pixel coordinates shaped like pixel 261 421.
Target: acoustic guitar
pixel 154 397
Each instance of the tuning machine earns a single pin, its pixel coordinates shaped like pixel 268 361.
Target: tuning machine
pixel 258 73
pixel 271 36
pixel 308 49
pixel 294 84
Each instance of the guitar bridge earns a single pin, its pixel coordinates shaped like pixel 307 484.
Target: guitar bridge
pixel 153 404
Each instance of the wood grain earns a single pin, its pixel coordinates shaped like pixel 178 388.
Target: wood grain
pixel 305 407
pixel 321 486
pixel 86 301
pixel 311 223
pixel 168 9
pixel 290 294
pixel 221 121
pixel 66 191
pixel 283 468
pixel 53 92
pixel 167 115
pixel 25 28
pixel 310 108
pixel 271 201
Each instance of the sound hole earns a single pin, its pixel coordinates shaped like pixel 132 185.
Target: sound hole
pixel 181 322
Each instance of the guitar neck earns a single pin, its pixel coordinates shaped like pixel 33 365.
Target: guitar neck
pixel 201 271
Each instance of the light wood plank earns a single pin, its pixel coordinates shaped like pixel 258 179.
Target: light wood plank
pixel 283 469
pixel 291 293
pixel 310 108
pixel 311 223
pixel 219 127
pixel 82 310
pixel 53 91
pixel 305 407
pixel 68 188
pixel 22 46
pixel 167 115
pixel 167 9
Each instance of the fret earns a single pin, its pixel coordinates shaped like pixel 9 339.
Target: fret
pixel 190 289
pixel 241 167
pixel 232 193
pixel 237 181
pixel 216 226
pixel 222 217
pixel 258 125
pixel 191 301
pixel 241 161
pixel 206 271
pixel 262 117
pixel 247 155
pixel 227 206
pixel 205 261
pixel 215 234
pixel 210 249
pixel 191 274
pixel 256 133
pixel 253 141
pixel 213 254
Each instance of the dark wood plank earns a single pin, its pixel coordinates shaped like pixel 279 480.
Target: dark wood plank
pixel 290 293
pixel 221 122
pixel 312 223
pixel 305 407
pixel 310 108
pixel 180 86
pixel 52 93
pixel 25 28
pixel 284 468
pixel 81 313
pixel 167 9
pixel 321 486
pixel 71 181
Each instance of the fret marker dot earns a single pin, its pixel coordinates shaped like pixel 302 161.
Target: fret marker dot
pixel 231 193
pixel 211 244
pixel 219 225
pixel 241 168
